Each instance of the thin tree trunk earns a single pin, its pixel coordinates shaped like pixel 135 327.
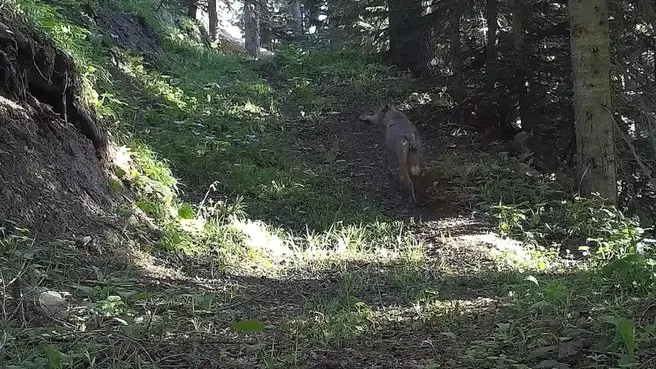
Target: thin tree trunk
pixel 393 31
pixel 312 14
pixel 252 28
pixel 491 46
pixel 520 63
pixel 595 125
pixel 297 18
pixel 335 18
pixel 648 8
pixel 213 19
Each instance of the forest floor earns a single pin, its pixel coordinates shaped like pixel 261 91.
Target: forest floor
pixel 277 240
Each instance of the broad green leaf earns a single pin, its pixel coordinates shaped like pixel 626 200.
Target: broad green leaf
pixel 185 211
pixel 249 325
pixel 55 358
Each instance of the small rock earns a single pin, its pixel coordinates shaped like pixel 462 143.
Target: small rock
pixel 53 304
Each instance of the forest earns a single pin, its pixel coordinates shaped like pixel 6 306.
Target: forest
pixel 327 184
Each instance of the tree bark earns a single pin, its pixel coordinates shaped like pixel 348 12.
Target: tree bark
pixel 335 18
pixel 213 19
pixel 312 13
pixel 595 126
pixel 491 45
pixel 252 28
pixel 405 36
pixel 520 64
pixel 192 8
pixel 265 25
pixel 297 18
pixel 455 46
pixel 393 30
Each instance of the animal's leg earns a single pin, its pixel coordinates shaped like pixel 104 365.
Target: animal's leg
pixel 406 179
pixel 389 160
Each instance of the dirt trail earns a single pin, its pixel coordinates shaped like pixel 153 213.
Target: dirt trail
pixel 360 160
pixel 386 343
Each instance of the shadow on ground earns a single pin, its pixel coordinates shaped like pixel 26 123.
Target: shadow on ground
pixel 366 315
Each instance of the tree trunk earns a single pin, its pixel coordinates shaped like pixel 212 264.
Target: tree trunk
pixel 213 19
pixel 192 8
pixel 312 14
pixel 393 31
pixel 405 36
pixel 591 64
pixel 252 28
pixel 455 46
pixel 265 25
pixel 520 64
pixel 335 18
pixel 297 18
pixel 648 8
pixel 491 45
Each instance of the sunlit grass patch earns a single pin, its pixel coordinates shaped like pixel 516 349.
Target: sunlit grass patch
pixel 512 255
pixel 225 133
pixel 315 73
pixel 378 241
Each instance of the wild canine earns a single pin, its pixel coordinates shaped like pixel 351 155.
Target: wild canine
pixel 402 142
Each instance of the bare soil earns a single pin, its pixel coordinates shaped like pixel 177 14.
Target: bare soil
pixel 361 153
pixel 130 32
pixel 51 151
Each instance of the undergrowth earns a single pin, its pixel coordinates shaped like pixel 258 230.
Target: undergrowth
pixel 209 151
pixel 205 116
pixel 573 252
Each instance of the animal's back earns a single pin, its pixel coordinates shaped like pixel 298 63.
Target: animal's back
pixel 397 125
pixel 402 143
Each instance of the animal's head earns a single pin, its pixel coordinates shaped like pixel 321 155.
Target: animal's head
pixel 375 114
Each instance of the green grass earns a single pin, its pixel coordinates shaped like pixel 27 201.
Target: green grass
pixel 209 119
pixel 213 154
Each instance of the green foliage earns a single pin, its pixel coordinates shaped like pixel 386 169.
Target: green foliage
pixel 537 209
pixel 213 121
pixel 250 325
pixel 614 260
pixel 211 150
pixel 628 337
pixel 322 71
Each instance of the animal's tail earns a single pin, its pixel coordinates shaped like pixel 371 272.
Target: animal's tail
pixel 411 139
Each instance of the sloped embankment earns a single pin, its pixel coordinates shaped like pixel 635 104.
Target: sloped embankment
pixel 51 177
